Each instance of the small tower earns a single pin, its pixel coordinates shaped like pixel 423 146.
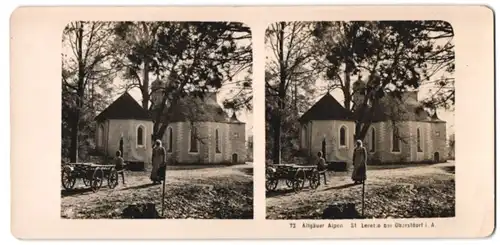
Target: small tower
pixel 359 90
pixel 157 92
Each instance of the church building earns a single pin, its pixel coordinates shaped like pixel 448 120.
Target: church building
pixel 401 131
pixel 198 132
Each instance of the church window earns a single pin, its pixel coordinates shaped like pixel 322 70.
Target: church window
pixel 193 144
pixel 170 139
pixel 100 136
pixel 372 145
pixel 217 141
pixel 140 135
pixel 342 136
pixel 419 141
pixel 395 140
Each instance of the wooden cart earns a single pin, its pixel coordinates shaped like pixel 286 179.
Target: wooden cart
pixel 294 176
pixel 91 174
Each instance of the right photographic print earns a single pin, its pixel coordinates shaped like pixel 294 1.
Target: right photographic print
pixel 360 120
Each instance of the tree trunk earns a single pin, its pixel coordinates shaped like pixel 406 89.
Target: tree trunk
pixel 281 98
pixel 347 90
pixel 277 139
pixel 73 150
pixel 73 153
pixel 145 86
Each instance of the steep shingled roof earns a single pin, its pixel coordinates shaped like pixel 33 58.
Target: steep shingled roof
pixel 125 107
pixel 198 109
pixel 327 108
pixel 408 108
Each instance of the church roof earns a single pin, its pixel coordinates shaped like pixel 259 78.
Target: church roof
pixel 408 108
pixel 327 108
pixel 193 108
pixel 125 107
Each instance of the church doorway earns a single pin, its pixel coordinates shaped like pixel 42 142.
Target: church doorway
pixel 234 158
pixel 436 156
pixel 121 146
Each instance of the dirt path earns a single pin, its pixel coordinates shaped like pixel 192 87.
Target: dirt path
pixel 182 184
pixel 284 203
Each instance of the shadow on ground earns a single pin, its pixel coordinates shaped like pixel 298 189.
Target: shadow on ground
pixel 196 166
pixel 449 169
pixel 279 192
pixel 74 192
pixel 139 186
pixel 247 171
pixel 340 187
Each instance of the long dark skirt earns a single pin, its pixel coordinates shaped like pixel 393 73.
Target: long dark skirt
pixel 161 173
pixel 359 173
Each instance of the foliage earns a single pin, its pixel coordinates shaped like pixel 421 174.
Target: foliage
pixel 397 56
pixel 194 58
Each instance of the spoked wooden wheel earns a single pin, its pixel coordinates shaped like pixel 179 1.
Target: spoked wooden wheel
pixel 113 178
pixel 271 182
pixel 97 179
pixel 67 179
pixel 298 181
pixel 86 181
pixel 314 180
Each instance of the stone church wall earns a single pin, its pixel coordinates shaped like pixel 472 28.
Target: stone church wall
pixel 127 129
pixel 207 154
pixel 328 130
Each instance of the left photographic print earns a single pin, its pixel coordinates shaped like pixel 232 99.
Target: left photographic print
pixel 156 120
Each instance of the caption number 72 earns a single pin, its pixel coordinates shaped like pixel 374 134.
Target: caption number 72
pixel 292 225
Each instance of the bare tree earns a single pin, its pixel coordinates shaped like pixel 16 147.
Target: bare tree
pixel 289 73
pixel 87 65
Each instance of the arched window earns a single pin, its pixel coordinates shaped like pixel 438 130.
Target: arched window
pixel 419 141
pixel 395 140
pixel 372 145
pixel 193 140
pixel 217 141
pixel 170 140
pixel 140 135
pixel 303 137
pixel 100 135
pixel 342 136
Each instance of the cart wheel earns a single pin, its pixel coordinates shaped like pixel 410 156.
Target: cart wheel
pixel 271 182
pixel 289 183
pixel 314 180
pixel 298 181
pixel 86 181
pixel 97 179
pixel 67 179
pixel 113 178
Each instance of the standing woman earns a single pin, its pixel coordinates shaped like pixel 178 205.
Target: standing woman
pixel 359 161
pixel 159 160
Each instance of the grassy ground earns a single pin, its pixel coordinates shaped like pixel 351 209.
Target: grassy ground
pixel 393 192
pixel 195 192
